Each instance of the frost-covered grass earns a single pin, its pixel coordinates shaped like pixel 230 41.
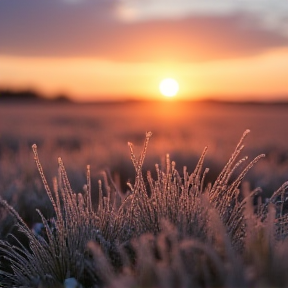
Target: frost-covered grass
pixel 171 228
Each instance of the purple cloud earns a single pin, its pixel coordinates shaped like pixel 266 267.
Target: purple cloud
pixel 90 28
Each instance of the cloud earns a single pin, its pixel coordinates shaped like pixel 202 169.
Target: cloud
pixel 270 14
pixel 97 29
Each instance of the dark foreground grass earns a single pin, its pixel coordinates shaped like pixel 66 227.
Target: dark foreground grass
pixel 172 230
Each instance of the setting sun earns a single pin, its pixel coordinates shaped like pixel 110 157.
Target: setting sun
pixel 169 87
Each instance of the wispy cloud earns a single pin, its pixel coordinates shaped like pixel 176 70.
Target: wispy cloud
pixel 270 14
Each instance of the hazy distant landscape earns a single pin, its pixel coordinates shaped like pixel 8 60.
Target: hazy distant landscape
pixel 98 133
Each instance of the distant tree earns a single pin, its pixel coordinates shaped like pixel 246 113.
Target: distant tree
pixel 7 95
pixel 25 95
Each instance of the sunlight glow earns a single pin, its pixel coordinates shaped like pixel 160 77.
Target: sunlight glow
pixel 169 87
pixel 261 77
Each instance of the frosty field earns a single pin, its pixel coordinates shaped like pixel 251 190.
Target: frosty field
pixel 97 134
pixel 220 215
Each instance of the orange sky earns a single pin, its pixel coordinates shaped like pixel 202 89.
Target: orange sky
pixel 123 51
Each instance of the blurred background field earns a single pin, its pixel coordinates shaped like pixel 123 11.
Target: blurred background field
pixel 115 51
pixel 97 134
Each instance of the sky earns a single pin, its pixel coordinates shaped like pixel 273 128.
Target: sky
pixel 121 49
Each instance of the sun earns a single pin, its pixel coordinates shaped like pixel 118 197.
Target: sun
pixel 169 87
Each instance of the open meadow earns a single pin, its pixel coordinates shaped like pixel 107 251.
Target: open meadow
pixel 97 134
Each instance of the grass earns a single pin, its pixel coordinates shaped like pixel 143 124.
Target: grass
pixel 172 230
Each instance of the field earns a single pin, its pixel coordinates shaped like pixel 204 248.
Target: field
pixel 97 134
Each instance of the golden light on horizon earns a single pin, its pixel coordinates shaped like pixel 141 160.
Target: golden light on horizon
pixel 261 77
pixel 169 87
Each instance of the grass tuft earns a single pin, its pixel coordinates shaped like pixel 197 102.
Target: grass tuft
pixel 175 230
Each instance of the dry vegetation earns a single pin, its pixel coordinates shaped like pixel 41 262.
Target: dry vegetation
pixel 172 230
